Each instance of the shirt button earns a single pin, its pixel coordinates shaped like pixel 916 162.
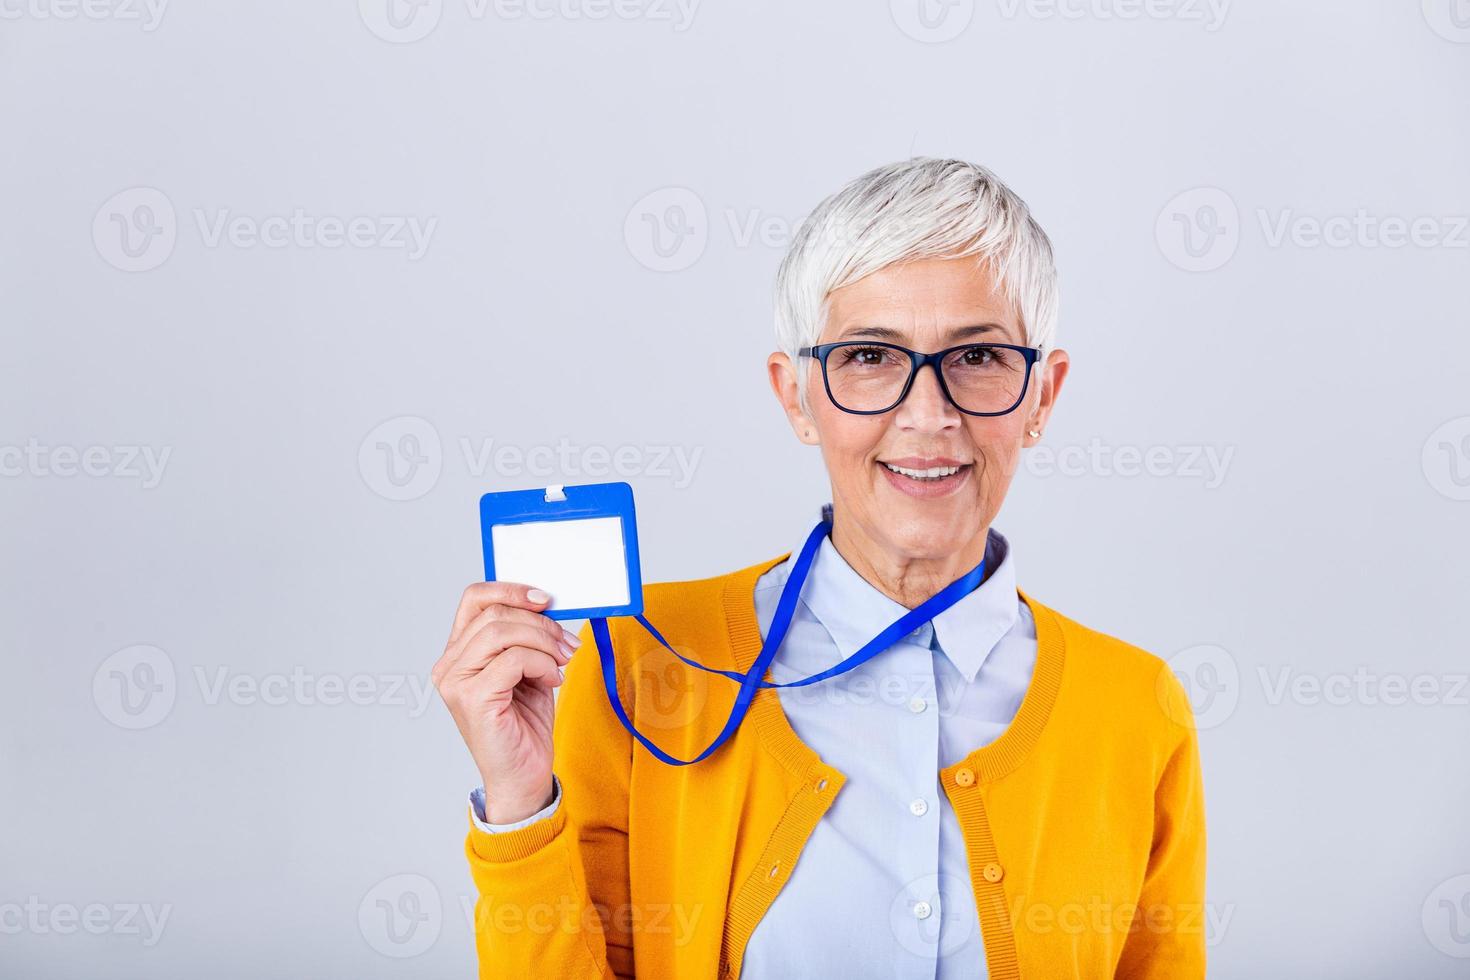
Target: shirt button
pixel 917 704
pixel 993 872
pixel 965 777
pixel 919 807
pixel 922 910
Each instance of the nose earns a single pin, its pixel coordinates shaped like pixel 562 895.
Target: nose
pixel 925 409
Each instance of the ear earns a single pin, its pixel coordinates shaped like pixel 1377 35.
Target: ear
pixel 1051 376
pixel 783 382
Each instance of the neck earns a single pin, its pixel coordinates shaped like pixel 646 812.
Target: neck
pixel 905 579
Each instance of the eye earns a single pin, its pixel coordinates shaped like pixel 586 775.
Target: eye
pixel 983 358
pixel 867 356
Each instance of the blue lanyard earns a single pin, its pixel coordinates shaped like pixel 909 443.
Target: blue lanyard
pixel 753 679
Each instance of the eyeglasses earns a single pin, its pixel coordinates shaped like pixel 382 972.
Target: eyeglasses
pixel 869 378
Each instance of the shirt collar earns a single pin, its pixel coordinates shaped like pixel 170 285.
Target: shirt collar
pixel 853 611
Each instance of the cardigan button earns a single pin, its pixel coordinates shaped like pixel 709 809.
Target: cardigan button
pixel 965 776
pixel 993 872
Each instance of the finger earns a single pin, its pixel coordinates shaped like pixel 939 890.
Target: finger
pixel 481 594
pixel 499 612
pixel 516 665
pixel 494 639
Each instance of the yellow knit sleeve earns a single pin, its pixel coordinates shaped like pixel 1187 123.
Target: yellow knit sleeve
pixel 1167 938
pixel 550 893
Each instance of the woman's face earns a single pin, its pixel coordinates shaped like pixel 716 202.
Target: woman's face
pixel 925 305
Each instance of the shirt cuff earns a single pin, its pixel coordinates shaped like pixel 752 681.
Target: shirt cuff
pixel 477 810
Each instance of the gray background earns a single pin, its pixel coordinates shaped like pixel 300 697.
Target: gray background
pixel 1163 152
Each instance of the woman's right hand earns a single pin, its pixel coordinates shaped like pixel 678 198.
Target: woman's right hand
pixel 497 675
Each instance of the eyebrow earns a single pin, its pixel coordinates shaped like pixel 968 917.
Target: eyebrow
pixel 895 336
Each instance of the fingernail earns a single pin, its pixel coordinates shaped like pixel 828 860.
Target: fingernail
pixel 566 649
pixel 537 596
pixel 563 672
pixel 573 639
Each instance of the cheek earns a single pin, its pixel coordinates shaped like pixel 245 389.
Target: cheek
pixel 847 438
pixel 998 445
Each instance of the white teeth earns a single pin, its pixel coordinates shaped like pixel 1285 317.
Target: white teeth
pixel 933 473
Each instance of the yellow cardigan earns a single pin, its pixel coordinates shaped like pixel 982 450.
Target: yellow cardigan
pixel 1083 822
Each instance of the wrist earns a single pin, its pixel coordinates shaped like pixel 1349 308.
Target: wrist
pixel 502 808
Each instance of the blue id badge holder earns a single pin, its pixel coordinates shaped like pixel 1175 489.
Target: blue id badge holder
pixel 578 543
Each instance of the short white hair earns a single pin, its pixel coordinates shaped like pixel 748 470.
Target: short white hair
pixel 923 207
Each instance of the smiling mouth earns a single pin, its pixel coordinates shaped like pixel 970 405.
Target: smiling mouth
pixel 929 473
pixel 926 479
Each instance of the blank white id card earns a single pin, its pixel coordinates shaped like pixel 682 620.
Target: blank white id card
pixel 577 542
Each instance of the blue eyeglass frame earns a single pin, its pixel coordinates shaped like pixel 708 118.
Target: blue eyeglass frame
pixel 916 361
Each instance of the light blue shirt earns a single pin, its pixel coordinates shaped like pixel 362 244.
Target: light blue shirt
pixel 882 886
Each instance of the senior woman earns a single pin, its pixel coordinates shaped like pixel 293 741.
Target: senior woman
pixel 1000 792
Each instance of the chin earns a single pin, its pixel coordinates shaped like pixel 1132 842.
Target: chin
pixel 930 531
